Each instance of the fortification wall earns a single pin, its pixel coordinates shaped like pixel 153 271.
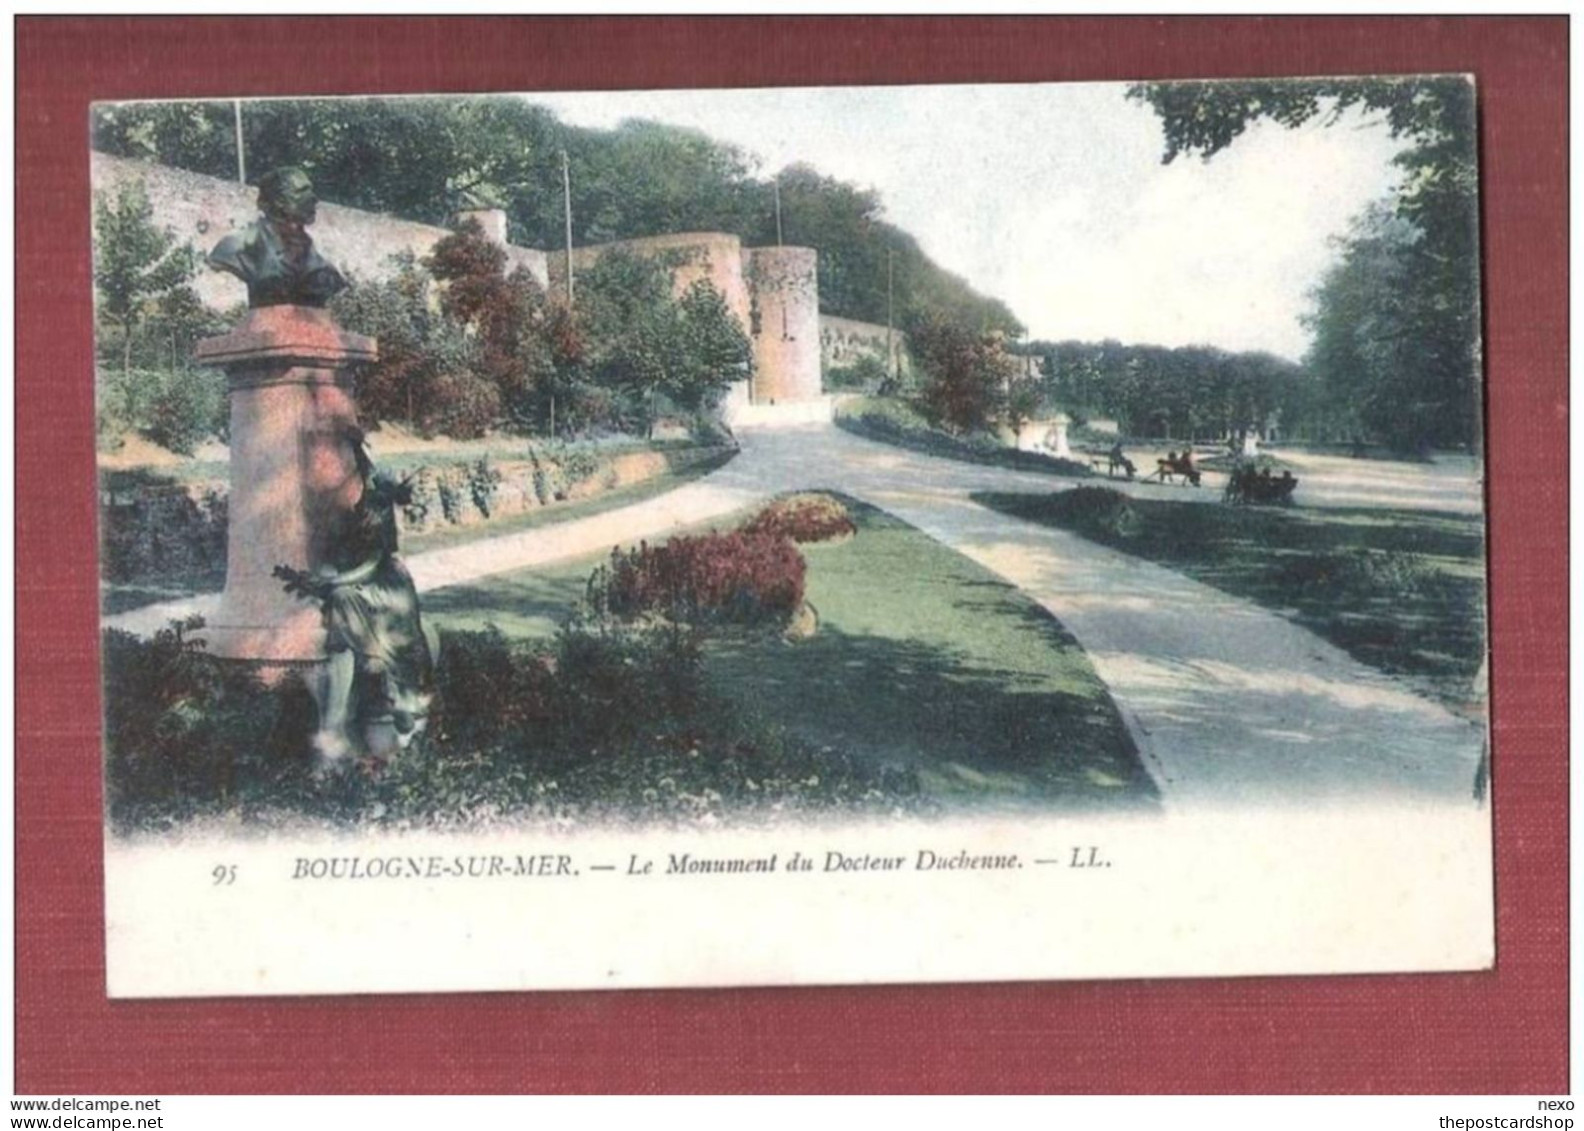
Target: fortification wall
pixel 784 323
pixel 715 256
pixel 201 210
pixel 844 340
pixel 773 292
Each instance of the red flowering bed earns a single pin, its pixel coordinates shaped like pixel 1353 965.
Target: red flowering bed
pixel 744 578
pixel 804 518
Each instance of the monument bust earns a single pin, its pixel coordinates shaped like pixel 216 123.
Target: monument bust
pixel 274 255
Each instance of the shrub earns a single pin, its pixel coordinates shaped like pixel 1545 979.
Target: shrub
pixel 579 462
pixel 886 414
pixel 616 682
pixel 450 493
pixel 425 491
pixel 459 405
pixel 804 518
pixel 121 404
pixel 1097 510
pixel 1380 573
pixel 737 578
pixel 176 408
pixel 549 478
pixel 187 406
pixel 867 372
pixel 185 732
pixel 483 481
pixel 491 688
pixel 708 428
pixel 155 530
pixel 603 684
pixel 1077 469
pixel 613 721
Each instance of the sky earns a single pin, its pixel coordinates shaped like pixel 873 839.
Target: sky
pixel 1053 198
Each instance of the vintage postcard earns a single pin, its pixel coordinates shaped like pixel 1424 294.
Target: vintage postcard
pixel 702 538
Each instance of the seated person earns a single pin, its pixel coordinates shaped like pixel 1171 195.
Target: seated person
pixel 1264 488
pixel 1115 458
pixel 1237 483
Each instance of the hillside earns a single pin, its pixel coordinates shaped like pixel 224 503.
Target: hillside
pixel 424 158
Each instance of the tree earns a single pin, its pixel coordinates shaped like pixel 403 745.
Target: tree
pixel 715 350
pixel 426 158
pixel 639 342
pixel 1380 350
pixel 967 374
pixel 1022 403
pixel 1186 392
pixel 1428 283
pixel 136 263
pixel 414 345
pixel 505 313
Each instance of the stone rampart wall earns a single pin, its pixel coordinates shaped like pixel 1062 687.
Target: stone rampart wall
pixel 202 210
pixel 844 340
pixel 773 292
pixel 715 256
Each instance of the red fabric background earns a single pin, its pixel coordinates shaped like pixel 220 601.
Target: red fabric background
pixel 1495 1032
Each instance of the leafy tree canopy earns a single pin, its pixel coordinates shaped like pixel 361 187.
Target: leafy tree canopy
pixel 141 278
pixel 426 158
pixel 1397 320
pixel 1186 392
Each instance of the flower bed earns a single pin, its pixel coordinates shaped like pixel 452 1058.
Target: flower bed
pixel 738 578
pixel 804 518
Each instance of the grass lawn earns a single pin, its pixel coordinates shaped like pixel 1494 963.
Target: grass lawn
pixel 923 663
pixel 1400 590
pixel 892 421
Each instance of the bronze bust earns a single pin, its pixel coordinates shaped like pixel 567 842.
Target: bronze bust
pixel 274 255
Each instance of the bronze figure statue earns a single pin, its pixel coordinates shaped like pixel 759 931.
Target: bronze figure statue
pixel 381 664
pixel 274 255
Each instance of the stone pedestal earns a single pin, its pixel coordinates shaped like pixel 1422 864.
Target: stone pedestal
pixel 293 472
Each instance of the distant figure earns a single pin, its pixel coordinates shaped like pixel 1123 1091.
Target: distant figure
pixel 1236 492
pixel 1174 465
pixel 1285 487
pixel 1115 459
pixel 274 255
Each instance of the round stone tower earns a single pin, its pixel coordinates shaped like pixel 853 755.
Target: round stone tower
pixel 783 293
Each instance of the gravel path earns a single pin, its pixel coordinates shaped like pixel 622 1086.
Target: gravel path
pixel 1228 702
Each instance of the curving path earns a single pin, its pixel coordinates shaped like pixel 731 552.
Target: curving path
pixel 1227 701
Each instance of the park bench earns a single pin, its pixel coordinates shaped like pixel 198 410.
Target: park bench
pixel 1174 466
pixel 1247 487
pixel 1112 462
